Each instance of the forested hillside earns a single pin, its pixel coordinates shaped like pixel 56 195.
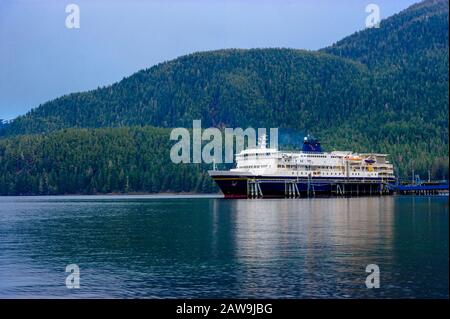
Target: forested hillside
pixel 90 161
pixel 413 36
pixel 237 88
pixel 408 61
pixel 381 90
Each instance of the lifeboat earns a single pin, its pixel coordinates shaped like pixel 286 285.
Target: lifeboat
pixel 369 160
pixel 353 158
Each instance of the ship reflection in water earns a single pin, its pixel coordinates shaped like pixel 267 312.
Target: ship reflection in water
pixel 327 244
pixel 152 247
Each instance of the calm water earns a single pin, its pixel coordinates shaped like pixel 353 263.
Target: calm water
pixel 154 247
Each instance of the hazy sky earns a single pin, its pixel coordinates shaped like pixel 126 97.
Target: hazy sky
pixel 41 59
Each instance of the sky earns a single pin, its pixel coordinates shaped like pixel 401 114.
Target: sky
pixel 41 59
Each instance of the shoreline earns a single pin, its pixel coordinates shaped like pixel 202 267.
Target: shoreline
pixel 119 194
pixel 191 195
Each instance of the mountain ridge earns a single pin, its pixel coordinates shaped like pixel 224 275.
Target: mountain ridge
pixel 74 110
pixel 144 85
pixel 380 90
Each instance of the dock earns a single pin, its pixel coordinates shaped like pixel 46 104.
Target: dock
pixel 298 188
pixel 421 188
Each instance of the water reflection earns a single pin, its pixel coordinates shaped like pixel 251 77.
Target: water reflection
pixel 203 247
pixel 327 243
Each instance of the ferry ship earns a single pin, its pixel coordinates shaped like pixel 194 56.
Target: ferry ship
pixel 267 172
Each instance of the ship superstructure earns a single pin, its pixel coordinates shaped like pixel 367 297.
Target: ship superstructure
pixel 268 172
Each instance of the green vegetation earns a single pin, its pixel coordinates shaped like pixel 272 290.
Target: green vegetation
pixel 408 62
pixel 380 90
pixel 235 88
pixel 89 161
pixel 3 125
